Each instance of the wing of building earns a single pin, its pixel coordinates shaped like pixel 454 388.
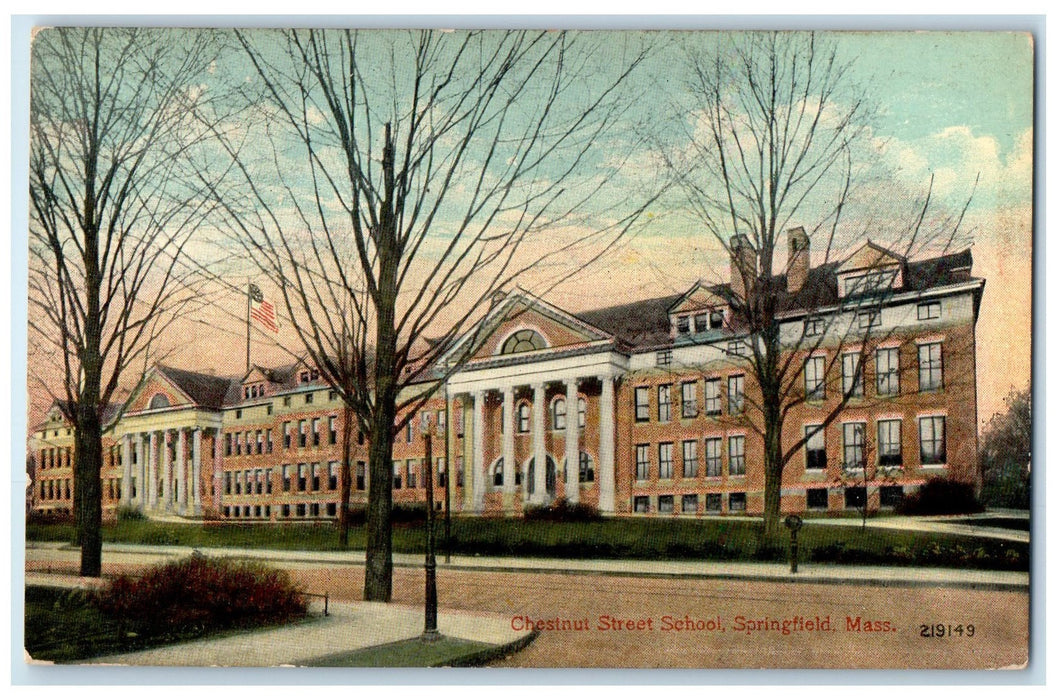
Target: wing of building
pixel 653 404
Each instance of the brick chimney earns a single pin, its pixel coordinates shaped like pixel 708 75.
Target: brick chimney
pixel 799 259
pixel 742 266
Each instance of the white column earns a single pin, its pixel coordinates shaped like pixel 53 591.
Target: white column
pixel 218 469
pixel 509 460
pixel 606 450
pixel 167 471
pixel 194 501
pixel 126 469
pixel 152 472
pixel 141 472
pixel 181 471
pixel 539 447
pixel 477 473
pixel 572 442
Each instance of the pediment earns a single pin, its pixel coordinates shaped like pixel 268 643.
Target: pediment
pixel 155 385
pixel 698 298
pixel 870 256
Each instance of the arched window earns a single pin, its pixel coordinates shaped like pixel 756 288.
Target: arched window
pixel 558 414
pixel 159 401
pixel 524 340
pixel 497 472
pixel 581 412
pixel 550 476
pixel 523 418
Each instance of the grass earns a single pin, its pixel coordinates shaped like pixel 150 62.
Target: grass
pixel 410 653
pixel 717 539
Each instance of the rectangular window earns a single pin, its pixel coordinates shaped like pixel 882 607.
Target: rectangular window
pixel 815 446
pixel 713 401
pixel 689 396
pixel 818 499
pixel 412 474
pixel 736 502
pixel 397 474
pixel 361 476
pixel 815 378
pixel 332 428
pixel 851 374
pixel 713 502
pixel 409 432
pixel 642 462
pixel 689 458
pixel 302 477
pixel 315 476
pixel 891 496
pixel 287 468
pixel 664 403
pixel 642 504
pixel 736 394
pixel 736 454
pixel 701 322
pixel 310 397
pixel 249 442
pixel 332 509
pixel 260 442
pixel 268 440
pixel 285 510
pixel 666 504
pixel 664 358
pixel 642 404
pixel 689 504
pixel 267 480
pixel 302 431
pixel 928 311
pixel 238 482
pixel 238 443
pixel 930 367
pixel 332 476
pixel 286 435
pixel 315 432
pixel 227 483
pixel 812 327
pixel 854 497
pixel 870 318
pixel 682 325
pixel 933 431
pixel 738 348
pixel 888 371
pixel 713 457
pixel 258 478
pixel 854 445
pixel 889 443
pixel 664 460
pixel 715 319
pixel 300 510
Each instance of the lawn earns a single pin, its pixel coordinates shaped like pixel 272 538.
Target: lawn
pixel 723 539
pixel 410 653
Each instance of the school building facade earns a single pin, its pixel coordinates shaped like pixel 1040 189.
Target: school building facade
pixel 653 403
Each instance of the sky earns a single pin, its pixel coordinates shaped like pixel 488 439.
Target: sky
pixel 950 106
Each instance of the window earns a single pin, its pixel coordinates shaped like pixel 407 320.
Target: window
pixel 736 454
pixel 713 402
pixel 891 496
pixel 815 378
pixel 689 396
pixel 227 482
pixel 888 371
pixel 304 376
pixel 928 311
pixel 442 421
pixel 286 435
pixel 930 367
pixel 713 502
pixel 332 509
pixel 664 358
pixel 851 374
pixel 689 459
pixel 738 347
pixel 664 460
pixel 581 413
pixel 302 430
pixel 302 477
pixel 664 403
pixel 713 457
pixel 855 497
pixel 238 443
pixel 689 504
pixel 736 502
pixel 267 480
pixel 332 427
pixel 227 446
pixel 525 340
pixel 666 504
pixel 587 469
pixel 442 474
pixel 332 475
pixel 238 413
pixel 682 325
pixel 361 476
pixel 715 319
pixel 309 397
pixel 815 446
pixel 285 510
pixel 870 318
pixel 409 432
pixel 642 504
pixel 854 445
pixel 412 474
pixel 260 442
pixel 642 404
pixel 397 476
pixel 889 443
pixel 701 322
pixel 642 462
pixel 933 431
pixel 259 479
pixel 558 414
pixel 286 476
pixel 315 432
pixel 736 394
pixel 299 510
pixel 332 395
pixel 268 440
pixel 523 418
pixel 238 482
pixel 497 472
pixel 268 409
pixel 315 476
pixel 812 327
pixel 286 401
pixel 818 499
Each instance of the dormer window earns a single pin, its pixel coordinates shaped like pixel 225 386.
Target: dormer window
pixel 871 283
pixel 715 319
pixel 304 376
pixel 682 325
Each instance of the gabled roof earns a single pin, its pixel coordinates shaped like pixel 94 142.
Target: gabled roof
pixel 638 324
pixel 205 390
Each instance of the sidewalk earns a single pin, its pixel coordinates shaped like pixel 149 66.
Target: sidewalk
pixel 779 572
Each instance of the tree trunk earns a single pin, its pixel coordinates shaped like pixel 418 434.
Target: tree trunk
pixel 87 485
pixel 378 579
pixel 772 485
pixel 346 477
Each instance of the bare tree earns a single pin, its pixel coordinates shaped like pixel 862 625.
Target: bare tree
pixel 778 135
pixel 112 211
pixel 398 180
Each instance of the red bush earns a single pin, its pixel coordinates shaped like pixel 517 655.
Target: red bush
pixel 202 593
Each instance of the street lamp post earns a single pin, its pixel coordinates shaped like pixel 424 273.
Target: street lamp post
pixel 794 523
pixel 430 634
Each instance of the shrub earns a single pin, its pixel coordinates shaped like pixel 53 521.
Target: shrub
pixel 53 518
pixel 561 511
pixel 129 513
pixel 941 497
pixel 201 593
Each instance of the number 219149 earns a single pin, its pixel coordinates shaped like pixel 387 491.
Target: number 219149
pixel 941 630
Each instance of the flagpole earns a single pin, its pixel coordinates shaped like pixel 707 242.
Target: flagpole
pixel 248 301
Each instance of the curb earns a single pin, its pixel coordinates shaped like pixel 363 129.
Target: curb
pixel 499 651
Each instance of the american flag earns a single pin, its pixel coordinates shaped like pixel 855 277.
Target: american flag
pixel 262 310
